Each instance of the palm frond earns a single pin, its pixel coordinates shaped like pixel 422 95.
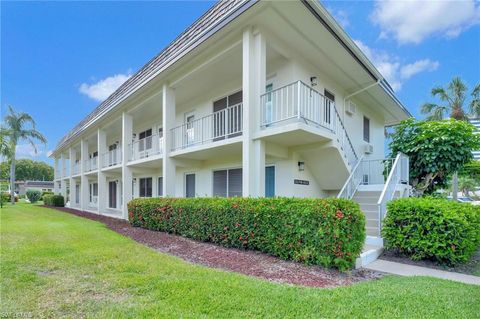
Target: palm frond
pixel 434 111
pixel 474 106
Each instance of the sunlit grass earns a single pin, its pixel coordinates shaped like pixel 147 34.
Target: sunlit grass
pixel 54 264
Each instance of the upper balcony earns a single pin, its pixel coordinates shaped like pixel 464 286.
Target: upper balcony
pixel 300 103
pixel 217 126
pixel 91 164
pixel 112 158
pixel 147 147
pixel 76 168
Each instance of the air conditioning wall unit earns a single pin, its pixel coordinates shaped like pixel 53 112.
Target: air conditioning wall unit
pixel 351 108
pixel 368 148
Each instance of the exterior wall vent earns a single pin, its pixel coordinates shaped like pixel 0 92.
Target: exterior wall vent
pixel 351 108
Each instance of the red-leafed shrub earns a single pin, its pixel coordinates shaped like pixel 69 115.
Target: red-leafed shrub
pixel 327 232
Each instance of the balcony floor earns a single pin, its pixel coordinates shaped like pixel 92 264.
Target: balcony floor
pixel 226 147
pixel 294 134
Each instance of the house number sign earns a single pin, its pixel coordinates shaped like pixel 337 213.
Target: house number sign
pixel 301 182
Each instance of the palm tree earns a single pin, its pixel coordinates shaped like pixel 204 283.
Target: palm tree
pixel 453 99
pixel 19 126
pixel 453 102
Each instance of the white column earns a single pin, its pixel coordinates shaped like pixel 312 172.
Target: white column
pixel 83 178
pixel 254 75
pixel 56 190
pixel 63 181
pixel 127 131
pixel 72 155
pixel 168 115
pixel 102 177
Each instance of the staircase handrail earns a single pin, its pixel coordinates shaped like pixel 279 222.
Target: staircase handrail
pixel 399 168
pixel 351 186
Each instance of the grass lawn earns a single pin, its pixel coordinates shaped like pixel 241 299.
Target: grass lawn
pixel 54 264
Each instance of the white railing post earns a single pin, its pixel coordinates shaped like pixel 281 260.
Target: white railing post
pixel 299 100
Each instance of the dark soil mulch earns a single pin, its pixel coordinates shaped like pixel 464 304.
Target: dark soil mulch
pixel 249 263
pixel 467 268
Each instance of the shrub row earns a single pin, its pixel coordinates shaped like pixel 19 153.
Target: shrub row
pixel 54 200
pixel 444 231
pixel 47 193
pixel 33 195
pixel 327 232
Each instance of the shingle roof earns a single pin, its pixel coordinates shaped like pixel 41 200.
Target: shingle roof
pixel 200 30
pixel 44 184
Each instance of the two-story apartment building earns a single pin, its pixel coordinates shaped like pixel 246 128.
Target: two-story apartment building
pixel 256 98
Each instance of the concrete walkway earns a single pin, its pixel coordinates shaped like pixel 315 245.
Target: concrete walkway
pixel 391 267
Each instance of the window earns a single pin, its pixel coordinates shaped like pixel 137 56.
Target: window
pixel 190 185
pixel 227 183
pixel 146 187
pixel 366 129
pixel 160 187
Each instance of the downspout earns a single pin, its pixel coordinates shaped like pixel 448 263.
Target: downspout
pixel 355 93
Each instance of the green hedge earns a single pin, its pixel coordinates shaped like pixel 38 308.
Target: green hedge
pixel 33 195
pixel 47 193
pixel 445 231
pixel 54 200
pixel 327 232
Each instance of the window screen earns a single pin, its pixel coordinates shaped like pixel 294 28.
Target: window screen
pixel 146 187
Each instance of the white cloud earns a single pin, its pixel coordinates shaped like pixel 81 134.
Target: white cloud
pixel 392 68
pixel 102 89
pixel 341 16
pixel 27 151
pixel 411 21
pixel 411 69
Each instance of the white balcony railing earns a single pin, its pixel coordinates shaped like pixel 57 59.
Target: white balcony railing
pixel 76 168
pixel 91 164
pixel 146 147
pixel 300 102
pixel 226 123
pixel 112 158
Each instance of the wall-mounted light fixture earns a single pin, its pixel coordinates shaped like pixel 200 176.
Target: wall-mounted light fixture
pixel 301 166
pixel 313 81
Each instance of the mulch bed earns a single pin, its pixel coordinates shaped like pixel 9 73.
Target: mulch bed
pixel 249 263
pixel 466 268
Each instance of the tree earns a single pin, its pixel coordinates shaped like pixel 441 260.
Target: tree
pixel 26 169
pixel 19 126
pixel 466 185
pixel 435 149
pixel 453 98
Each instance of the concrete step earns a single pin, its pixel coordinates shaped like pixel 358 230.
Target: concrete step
pixel 371 223
pixel 368 207
pixel 371 215
pixel 366 199
pixel 372 231
pixel 369 254
pixel 368 193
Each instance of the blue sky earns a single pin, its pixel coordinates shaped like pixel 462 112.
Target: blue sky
pixel 59 59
